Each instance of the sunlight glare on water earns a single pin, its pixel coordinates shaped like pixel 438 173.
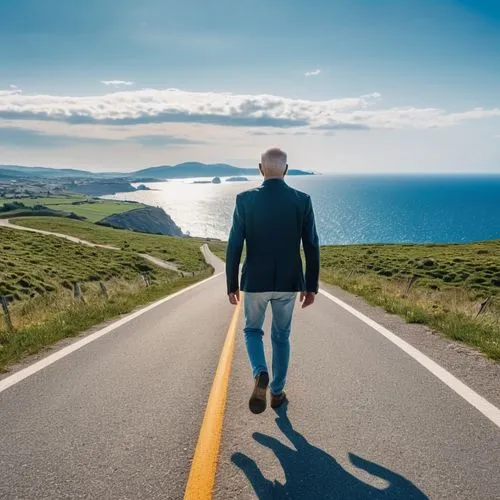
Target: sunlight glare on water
pixel 350 209
pixel 200 209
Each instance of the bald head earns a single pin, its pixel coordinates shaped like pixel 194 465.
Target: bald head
pixel 273 163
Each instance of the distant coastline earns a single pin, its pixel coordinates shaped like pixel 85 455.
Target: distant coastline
pixel 158 173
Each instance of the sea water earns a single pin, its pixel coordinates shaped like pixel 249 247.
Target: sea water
pixel 350 209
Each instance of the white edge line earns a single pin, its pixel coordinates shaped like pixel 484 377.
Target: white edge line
pixel 43 363
pixel 485 407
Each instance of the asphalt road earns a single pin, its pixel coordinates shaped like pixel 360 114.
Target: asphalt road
pixel 120 417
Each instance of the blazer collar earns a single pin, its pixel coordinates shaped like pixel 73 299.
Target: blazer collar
pixel 273 182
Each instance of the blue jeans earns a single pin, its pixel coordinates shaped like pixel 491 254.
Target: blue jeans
pixel 282 305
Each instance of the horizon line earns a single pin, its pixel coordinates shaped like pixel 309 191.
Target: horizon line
pixel 308 171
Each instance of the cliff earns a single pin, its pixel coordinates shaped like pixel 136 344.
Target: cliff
pixel 145 220
pixel 101 187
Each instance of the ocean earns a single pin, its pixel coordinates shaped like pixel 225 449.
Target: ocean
pixel 350 209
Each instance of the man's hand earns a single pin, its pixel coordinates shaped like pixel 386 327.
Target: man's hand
pixel 234 298
pixel 307 299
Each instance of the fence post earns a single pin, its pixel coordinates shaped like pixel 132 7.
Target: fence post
pixel 483 306
pixel 411 282
pixel 104 291
pixel 6 312
pixel 145 278
pixel 78 292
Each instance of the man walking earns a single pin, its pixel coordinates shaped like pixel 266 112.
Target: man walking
pixel 273 220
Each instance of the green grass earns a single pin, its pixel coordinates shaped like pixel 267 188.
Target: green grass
pixel 91 208
pixel 46 319
pixel 38 272
pixel 31 201
pixel 183 251
pixel 451 282
pixel 34 264
pixel 95 211
pixel 474 267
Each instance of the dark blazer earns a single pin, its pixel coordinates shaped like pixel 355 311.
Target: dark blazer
pixel 273 219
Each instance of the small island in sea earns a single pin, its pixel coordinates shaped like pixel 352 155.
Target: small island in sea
pixel 215 180
pixel 237 179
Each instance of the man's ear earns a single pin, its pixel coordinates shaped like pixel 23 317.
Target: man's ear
pixel 286 170
pixel 260 168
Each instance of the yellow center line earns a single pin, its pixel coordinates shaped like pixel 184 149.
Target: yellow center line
pixel 201 479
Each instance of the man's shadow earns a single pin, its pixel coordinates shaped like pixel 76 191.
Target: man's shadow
pixel 311 473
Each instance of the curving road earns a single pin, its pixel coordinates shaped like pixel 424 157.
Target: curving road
pixel 120 416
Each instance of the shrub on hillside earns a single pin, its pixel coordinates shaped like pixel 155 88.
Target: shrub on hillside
pixel 12 205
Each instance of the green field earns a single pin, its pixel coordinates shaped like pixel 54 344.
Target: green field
pixel 97 210
pixel 31 201
pixel 183 251
pixel 93 209
pixel 38 274
pixel 474 267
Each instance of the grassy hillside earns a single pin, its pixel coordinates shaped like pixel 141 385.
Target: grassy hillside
pixel 38 274
pixel 90 208
pixel 34 264
pixel 475 267
pixel 448 285
pixel 184 251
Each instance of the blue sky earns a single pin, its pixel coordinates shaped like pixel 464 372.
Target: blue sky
pixel 407 85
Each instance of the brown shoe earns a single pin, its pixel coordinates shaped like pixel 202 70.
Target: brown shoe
pixel 258 400
pixel 277 401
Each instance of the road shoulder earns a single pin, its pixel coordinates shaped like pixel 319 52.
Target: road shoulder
pixel 466 363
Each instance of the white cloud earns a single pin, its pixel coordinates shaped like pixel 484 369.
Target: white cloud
pixel 12 90
pixel 150 106
pixel 117 83
pixel 316 72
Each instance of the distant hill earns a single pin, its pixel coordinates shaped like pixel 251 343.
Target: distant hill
pixel 15 171
pixel 195 169
pixel 182 170
pixel 8 174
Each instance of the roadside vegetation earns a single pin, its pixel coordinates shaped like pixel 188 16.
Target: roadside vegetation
pixel 93 209
pixel 185 252
pixel 442 286
pixel 39 274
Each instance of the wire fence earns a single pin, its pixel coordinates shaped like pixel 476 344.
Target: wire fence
pixel 15 313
